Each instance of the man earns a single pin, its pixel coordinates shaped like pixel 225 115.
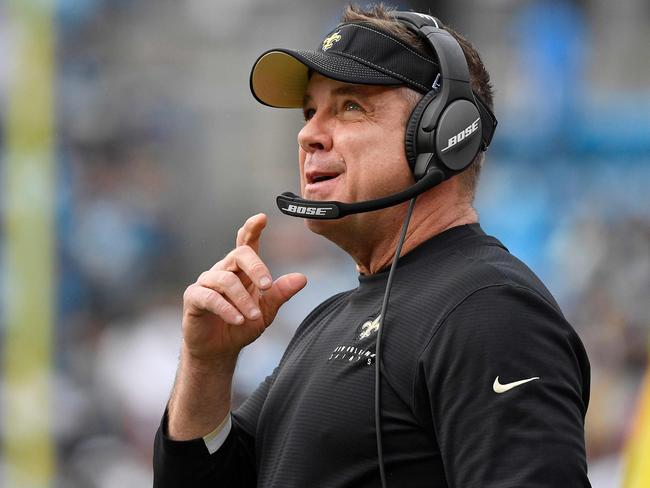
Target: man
pixel 483 382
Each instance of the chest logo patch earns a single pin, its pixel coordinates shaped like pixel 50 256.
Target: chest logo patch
pixel 358 353
pixel 368 328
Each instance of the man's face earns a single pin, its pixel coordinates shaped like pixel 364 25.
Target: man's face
pixel 352 144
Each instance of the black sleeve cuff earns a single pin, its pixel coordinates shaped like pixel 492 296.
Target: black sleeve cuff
pixel 189 463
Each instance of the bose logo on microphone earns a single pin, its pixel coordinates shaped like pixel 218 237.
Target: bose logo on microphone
pixel 306 210
pixel 462 135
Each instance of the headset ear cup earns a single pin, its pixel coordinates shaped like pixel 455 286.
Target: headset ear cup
pixel 410 136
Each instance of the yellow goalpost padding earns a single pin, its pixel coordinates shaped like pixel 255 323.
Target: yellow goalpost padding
pixel 28 186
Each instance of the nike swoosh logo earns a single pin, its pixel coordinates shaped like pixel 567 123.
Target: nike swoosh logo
pixel 499 388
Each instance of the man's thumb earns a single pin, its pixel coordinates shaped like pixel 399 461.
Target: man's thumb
pixel 282 290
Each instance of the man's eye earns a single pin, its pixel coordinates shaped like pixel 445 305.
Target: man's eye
pixel 351 106
pixel 308 113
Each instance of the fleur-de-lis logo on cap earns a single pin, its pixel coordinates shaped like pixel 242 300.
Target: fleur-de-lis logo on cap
pixel 329 41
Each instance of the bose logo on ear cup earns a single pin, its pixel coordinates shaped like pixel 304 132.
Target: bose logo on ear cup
pixel 461 136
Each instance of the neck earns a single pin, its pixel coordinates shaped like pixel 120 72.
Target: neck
pixel 434 213
pixel 371 238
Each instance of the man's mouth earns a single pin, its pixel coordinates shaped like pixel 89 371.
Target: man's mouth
pixel 317 177
pixel 320 180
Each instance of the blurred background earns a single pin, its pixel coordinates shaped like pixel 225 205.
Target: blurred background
pixel 131 150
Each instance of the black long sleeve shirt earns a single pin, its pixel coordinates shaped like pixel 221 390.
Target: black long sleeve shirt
pixel 463 311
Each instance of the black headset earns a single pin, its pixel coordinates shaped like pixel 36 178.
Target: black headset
pixel 441 132
pixel 446 130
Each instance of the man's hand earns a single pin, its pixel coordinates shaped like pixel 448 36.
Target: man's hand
pixel 230 305
pixel 227 308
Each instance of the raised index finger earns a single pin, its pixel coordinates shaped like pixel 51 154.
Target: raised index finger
pixel 249 234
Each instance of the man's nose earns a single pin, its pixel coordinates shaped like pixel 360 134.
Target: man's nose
pixel 316 134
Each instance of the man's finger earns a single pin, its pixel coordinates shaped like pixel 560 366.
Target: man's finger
pixel 249 234
pixel 250 268
pixel 229 285
pixel 282 290
pixel 199 299
pixel 248 265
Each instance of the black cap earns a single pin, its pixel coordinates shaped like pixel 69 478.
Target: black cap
pixel 352 53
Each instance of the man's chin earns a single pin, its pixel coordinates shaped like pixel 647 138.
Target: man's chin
pixel 328 228
pixel 319 226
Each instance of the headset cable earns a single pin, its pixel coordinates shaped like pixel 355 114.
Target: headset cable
pixel 384 308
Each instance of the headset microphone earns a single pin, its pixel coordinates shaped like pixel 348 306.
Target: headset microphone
pixel 293 205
